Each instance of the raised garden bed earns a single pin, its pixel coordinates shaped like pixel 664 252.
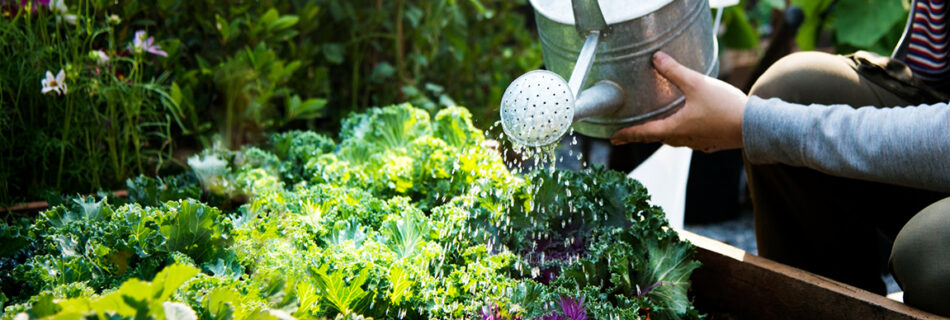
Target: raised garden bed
pixel 406 217
pixel 733 284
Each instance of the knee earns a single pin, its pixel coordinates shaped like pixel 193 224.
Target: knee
pixel 920 259
pixel 804 77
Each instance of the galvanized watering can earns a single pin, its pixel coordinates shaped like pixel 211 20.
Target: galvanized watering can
pixel 607 55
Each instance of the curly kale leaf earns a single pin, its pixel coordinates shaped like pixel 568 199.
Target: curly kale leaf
pixel 345 296
pixel 211 171
pixel 155 191
pixel 95 243
pixel 405 233
pixel 17 248
pixel 632 273
pixel 195 229
pixel 454 126
pixel 300 146
pixel 666 278
pixel 134 298
pixel 398 151
pixel 347 233
pixel 296 149
pixel 386 128
pixel 566 208
pixel 88 240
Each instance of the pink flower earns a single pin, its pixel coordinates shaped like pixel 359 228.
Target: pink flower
pixel 141 43
pixel 43 2
pixel 31 6
pixel 572 310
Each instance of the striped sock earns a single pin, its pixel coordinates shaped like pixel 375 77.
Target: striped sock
pixel 929 44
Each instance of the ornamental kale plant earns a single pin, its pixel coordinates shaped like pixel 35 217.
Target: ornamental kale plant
pixel 406 216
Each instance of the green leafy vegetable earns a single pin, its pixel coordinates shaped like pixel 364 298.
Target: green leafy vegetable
pixel 407 217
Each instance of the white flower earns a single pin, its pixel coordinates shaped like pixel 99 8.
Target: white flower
pixel 70 18
pixel 59 7
pixel 57 84
pixel 100 56
pixel 114 19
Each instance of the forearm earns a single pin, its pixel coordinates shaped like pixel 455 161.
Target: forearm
pixel 907 146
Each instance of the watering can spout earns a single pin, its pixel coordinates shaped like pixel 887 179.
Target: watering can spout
pixel 539 107
pixel 602 99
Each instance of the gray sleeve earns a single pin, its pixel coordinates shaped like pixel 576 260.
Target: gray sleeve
pixel 908 146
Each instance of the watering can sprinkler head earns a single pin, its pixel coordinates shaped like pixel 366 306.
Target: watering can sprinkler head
pixel 539 106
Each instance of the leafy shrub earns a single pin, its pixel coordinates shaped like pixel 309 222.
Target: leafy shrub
pixel 101 113
pixel 235 71
pixel 851 25
pixel 419 220
pixel 259 57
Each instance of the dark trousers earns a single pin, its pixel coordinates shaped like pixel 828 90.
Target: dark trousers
pixel 830 225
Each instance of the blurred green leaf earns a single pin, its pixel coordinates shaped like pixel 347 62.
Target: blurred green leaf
pixel 333 52
pixel 481 9
pixel 414 15
pixel 44 306
pixel 866 21
pixel 175 93
pixel 170 279
pixel 222 25
pixel 269 17
pixel 807 35
pixel 740 34
pixel 165 4
pixel 283 22
pixel 220 302
pixel 383 70
pixel 306 110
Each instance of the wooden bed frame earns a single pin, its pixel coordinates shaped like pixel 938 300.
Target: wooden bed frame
pixel 734 284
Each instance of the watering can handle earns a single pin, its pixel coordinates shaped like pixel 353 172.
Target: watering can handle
pixel 588 17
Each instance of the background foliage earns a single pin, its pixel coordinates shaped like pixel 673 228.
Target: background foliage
pixel 235 71
pixel 844 26
pixel 238 69
pixel 115 119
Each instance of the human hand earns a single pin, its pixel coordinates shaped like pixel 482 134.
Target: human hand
pixel 710 121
